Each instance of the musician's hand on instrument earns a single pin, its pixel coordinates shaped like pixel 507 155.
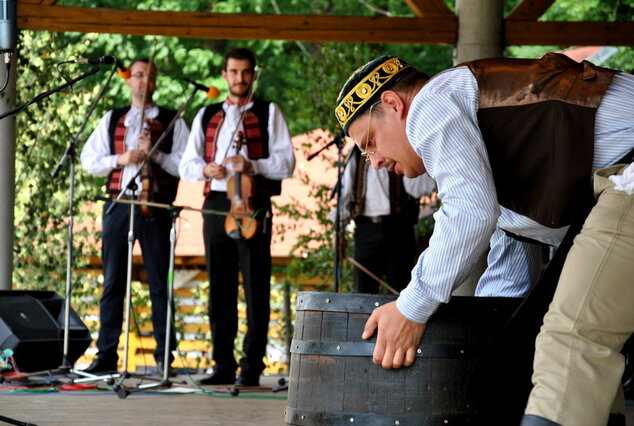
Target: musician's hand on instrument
pixel 397 337
pixel 145 145
pixel 215 171
pixel 239 163
pixel 132 156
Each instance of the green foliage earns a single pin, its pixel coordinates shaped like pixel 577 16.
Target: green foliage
pixel 323 73
pixel 314 249
pixel 45 131
pixel 304 78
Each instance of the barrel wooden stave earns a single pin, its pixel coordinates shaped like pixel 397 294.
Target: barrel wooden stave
pixel 332 389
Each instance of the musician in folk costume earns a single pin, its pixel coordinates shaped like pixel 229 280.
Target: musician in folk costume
pixel 244 136
pixel 117 149
pixel 534 148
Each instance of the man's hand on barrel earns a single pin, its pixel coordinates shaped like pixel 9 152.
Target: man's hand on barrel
pixel 397 337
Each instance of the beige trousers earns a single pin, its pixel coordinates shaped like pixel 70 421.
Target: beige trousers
pixel 577 366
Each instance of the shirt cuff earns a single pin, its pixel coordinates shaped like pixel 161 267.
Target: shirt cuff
pixel 112 160
pixel 160 158
pixel 414 306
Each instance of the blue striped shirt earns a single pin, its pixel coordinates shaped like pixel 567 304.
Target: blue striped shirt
pixel 442 128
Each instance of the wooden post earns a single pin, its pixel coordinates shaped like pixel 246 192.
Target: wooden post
pixel 7 174
pixel 480 35
pixel 480 29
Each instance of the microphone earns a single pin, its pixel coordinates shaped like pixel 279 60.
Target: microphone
pixel 210 91
pixel 123 71
pixel 8 31
pixel 106 60
pixel 7 26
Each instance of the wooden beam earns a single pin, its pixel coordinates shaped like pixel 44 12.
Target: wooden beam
pixel 530 10
pixel 569 33
pixel 238 26
pixel 423 8
pixel 49 2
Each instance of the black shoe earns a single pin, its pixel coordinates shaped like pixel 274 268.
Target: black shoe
pixel 101 365
pixel 219 377
pixel 248 380
pixel 171 372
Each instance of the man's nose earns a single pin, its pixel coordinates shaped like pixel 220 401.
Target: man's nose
pixel 377 161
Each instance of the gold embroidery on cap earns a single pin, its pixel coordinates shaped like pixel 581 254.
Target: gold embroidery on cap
pixel 366 88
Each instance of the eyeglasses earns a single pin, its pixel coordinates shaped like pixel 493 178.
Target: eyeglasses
pixel 365 153
pixel 141 75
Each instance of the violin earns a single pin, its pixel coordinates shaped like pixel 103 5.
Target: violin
pixel 147 192
pixel 239 192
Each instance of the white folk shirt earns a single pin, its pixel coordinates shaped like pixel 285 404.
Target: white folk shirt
pixel 278 165
pixel 98 159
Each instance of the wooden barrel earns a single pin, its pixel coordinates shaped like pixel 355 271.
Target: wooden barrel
pixel 333 379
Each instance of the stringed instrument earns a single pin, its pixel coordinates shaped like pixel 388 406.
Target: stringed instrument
pixel 147 191
pixel 239 192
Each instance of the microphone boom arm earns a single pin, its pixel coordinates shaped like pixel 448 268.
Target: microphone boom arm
pixel 93 70
pixel 71 147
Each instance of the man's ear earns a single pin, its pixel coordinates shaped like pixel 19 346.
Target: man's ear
pixel 392 101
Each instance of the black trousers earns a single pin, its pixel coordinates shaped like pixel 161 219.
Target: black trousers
pixel 387 249
pixel 226 256
pixel 153 236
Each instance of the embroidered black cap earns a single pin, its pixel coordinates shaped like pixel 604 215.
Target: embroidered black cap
pixel 365 85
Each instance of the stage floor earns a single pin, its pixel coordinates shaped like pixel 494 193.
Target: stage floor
pixel 183 403
pixel 177 405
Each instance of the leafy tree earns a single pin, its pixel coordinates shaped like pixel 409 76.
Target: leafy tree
pixel 45 130
pixel 304 78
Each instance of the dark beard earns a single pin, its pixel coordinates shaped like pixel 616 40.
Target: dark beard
pixel 243 94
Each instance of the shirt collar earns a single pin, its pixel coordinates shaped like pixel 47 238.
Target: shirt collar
pixel 134 114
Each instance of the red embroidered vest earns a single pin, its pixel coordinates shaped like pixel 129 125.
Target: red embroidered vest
pixel 256 135
pixel 164 184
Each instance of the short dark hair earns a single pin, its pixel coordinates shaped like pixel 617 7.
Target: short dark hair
pixel 145 61
pixel 410 81
pixel 239 53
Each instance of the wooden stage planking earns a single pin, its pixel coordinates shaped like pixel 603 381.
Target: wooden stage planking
pixel 150 407
pixel 155 407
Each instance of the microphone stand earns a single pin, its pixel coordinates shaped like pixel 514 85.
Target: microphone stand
pixel 338 233
pixel 93 70
pixel 119 389
pixel 69 154
pixel 338 140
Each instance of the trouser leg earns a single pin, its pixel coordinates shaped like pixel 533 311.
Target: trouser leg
pixel 255 263
pixel 400 249
pixel 222 268
pixel 153 235
pixel 368 239
pixel 114 254
pixel 578 365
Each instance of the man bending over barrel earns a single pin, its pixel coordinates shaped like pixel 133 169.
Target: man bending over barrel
pixel 513 145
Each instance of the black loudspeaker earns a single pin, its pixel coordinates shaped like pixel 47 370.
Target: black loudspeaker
pixel 32 326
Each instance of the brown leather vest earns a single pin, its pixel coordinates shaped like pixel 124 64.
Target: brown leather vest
pixel 537 121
